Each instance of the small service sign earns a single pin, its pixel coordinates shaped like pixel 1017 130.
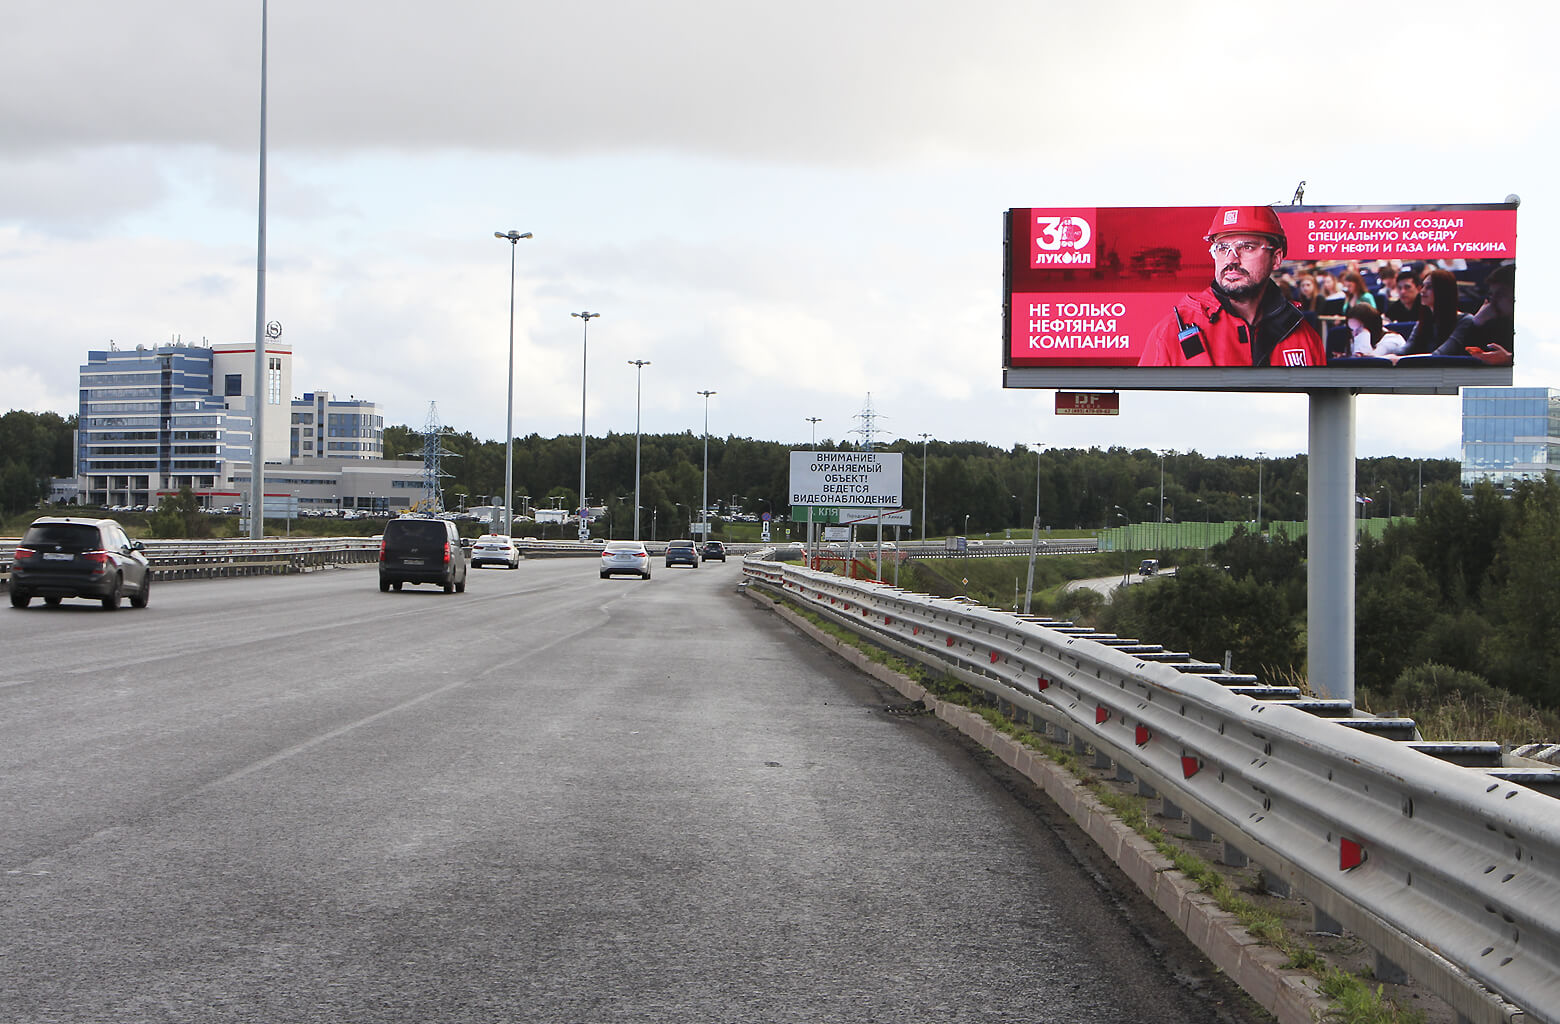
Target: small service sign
pixel 1088 403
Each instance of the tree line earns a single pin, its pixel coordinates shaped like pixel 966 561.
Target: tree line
pixel 1464 597
pixel 994 488
pixel 970 486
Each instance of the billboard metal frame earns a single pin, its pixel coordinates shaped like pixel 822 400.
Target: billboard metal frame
pixel 1330 571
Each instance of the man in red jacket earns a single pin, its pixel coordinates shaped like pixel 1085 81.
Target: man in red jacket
pixel 1242 319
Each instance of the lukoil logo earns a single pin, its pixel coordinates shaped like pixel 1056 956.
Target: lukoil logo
pixel 1063 237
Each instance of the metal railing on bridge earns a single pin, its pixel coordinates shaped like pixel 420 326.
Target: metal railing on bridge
pixel 1445 858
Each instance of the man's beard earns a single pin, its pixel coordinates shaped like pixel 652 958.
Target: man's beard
pixel 1251 288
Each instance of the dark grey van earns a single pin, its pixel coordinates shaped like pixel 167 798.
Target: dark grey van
pixel 416 549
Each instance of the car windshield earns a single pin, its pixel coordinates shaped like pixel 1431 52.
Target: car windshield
pixel 64 536
pixel 681 545
pixel 623 545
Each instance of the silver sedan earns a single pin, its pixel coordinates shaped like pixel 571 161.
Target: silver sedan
pixel 625 557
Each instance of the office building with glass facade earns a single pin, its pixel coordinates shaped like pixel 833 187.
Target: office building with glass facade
pixel 152 420
pixel 326 427
pixel 1509 434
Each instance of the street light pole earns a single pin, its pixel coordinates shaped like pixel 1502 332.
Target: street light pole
pixel 513 238
pixel 811 533
pixel 923 487
pixel 704 509
pixel 1259 493
pixel 257 436
pixel 1034 544
pixel 639 373
pixel 584 364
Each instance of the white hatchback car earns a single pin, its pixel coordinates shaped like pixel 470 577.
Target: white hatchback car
pixel 494 549
pixel 628 557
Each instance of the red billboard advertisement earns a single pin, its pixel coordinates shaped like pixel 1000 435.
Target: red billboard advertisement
pixel 1411 299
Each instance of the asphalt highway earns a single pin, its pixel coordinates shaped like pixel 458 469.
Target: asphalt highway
pixel 550 799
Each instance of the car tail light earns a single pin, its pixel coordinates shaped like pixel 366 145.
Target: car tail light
pixel 446 551
pixel 20 553
pixel 98 558
pixel 381 549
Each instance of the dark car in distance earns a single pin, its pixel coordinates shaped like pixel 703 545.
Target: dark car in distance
pixel 63 556
pixel 417 549
pixel 713 551
pixel 681 552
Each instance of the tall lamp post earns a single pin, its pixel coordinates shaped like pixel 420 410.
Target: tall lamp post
pixel 704 509
pixel 257 437
pixel 584 364
pixel 1034 544
pixel 1259 492
pixel 513 238
pixel 923 490
pixel 811 533
pixel 639 374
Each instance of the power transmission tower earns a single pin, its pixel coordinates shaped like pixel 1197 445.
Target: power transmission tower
pixel 869 427
pixel 432 451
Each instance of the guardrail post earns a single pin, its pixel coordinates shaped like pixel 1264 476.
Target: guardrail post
pixel 1389 972
pixel 1122 774
pixel 1324 923
pixel 1200 832
pixel 1232 857
pixel 1273 885
pixel 1170 810
pixel 1146 791
pixel 1101 760
pixel 1079 747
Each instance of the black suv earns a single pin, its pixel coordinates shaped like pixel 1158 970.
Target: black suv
pixel 681 552
pixel 62 557
pixel 713 551
pixel 416 549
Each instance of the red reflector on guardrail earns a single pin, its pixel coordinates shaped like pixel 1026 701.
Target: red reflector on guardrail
pixel 1143 735
pixel 1350 854
pixel 995 657
pixel 1190 766
pixel 1042 682
pixel 1101 714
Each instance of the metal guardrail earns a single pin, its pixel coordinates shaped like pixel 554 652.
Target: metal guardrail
pixel 1450 872
pixel 185 559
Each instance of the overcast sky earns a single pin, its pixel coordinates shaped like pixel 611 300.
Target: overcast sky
pixel 794 205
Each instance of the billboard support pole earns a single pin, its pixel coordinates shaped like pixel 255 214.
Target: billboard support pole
pixel 1330 562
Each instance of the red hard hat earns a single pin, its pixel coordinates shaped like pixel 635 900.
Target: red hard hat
pixel 1250 220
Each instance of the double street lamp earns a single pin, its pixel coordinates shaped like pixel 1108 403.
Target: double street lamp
pixel 704 509
pixel 639 373
pixel 513 238
pixel 584 364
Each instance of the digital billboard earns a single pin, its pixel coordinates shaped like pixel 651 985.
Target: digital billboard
pixel 1378 299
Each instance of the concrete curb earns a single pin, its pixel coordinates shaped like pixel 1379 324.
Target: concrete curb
pixel 1291 995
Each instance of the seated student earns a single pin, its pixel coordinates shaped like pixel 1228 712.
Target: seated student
pixel 1334 302
pixel 1370 338
pixel 1494 321
pixel 1386 284
pixel 1354 290
pixel 1306 294
pixel 1443 330
pixel 1405 305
